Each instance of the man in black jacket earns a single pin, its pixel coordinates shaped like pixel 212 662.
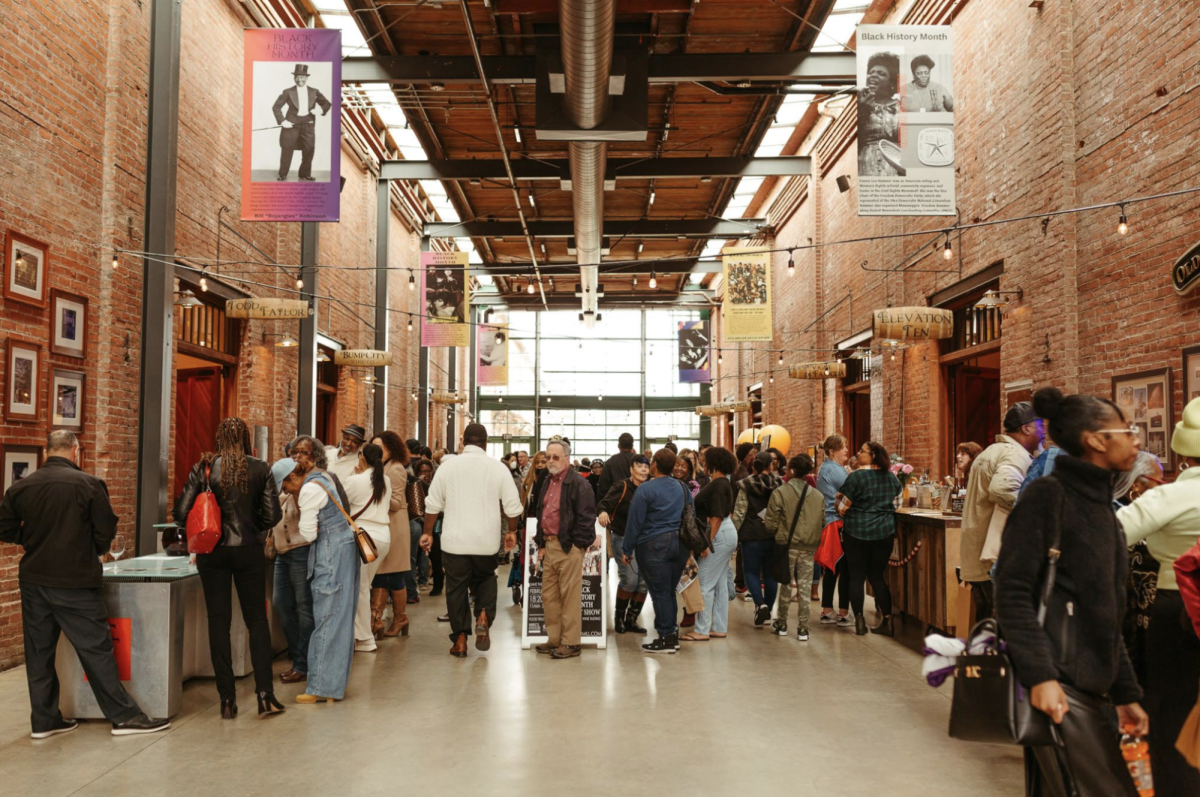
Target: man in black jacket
pixel 618 466
pixel 566 527
pixel 61 516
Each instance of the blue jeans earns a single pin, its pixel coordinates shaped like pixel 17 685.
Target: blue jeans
pixel 758 571
pixel 661 561
pixel 631 580
pixel 294 602
pixel 714 581
pixel 418 559
pixel 335 574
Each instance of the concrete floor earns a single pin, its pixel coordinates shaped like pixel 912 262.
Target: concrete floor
pixel 752 714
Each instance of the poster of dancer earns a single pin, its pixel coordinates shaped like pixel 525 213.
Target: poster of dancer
pixel 445 297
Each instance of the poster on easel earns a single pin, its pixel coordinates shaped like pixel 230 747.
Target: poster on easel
pixel 594 630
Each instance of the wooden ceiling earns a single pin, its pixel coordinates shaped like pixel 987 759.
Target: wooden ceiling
pixel 685 119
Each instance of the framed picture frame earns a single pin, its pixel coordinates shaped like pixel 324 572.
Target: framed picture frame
pixel 68 323
pixel 19 462
pixel 23 383
pixel 1191 374
pixel 67 398
pixel 1147 401
pixel 26 265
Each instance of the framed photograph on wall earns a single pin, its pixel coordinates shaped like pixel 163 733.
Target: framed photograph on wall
pixel 1147 401
pixel 22 389
pixel 26 262
pixel 1191 374
pixel 66 400
pixel 19 462
pixel 68 323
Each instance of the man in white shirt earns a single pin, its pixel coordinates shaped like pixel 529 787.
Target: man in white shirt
pixel 343 458
pixel 471 489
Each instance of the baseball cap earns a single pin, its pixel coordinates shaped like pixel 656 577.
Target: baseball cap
pixel 1018 415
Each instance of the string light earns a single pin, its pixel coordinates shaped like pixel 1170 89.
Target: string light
pixel 300 281
pixel 947 250
pixel 720 357
pixel 771 378
pixel 1123 223
pixel 410 323
pixel 530 290
pixel 204 280
pixel 791 265
pixel 415 395
pixel 781 356
pixel 412 281
pixel 116 261
pixel 653 280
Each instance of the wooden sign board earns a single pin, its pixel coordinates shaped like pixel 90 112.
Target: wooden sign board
pixel 913 323
pixel 446 398
pixel 274 309
pixel 831 370
pixel 1186 273
pixel 369 357
pixel 723 409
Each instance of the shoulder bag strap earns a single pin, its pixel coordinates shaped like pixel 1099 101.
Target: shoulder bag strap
pixel 349 519
pixel 1053 554
pixel 796 517
pixel 207 474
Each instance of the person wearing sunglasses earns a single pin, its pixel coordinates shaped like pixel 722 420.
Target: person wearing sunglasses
pixel 1072 658
pixel 1167 519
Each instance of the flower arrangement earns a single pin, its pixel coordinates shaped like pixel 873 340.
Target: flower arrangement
pixel 902 470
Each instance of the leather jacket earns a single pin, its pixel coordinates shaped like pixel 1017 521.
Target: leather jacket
pixel 245 518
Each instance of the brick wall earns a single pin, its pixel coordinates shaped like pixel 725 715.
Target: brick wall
pixel 72 136
pixel 1055 108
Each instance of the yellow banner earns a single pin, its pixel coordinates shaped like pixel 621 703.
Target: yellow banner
pixel 747 283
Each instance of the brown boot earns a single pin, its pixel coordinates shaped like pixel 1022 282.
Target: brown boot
pixel 460 647
pixel 378 604
pixel 399 615
pixel 483 639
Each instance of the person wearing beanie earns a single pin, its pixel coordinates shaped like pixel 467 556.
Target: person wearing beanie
pixel 992 486
pixel 1074 663
pixel 1167 518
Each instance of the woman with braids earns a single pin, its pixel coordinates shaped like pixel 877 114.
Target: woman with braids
pixel 370 494
pixel 392 575
pixel 249 501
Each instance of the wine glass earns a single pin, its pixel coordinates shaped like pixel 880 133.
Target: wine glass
pixel 117 549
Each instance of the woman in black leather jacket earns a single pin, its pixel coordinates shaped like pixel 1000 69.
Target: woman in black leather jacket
pixel 249 501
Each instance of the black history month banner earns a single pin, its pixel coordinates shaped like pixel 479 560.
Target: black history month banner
pixel 445 294
pixel 695 351
pixel 905 120
pixel 492 345
pixel 292 125
pixel 594 630
pixel 747 306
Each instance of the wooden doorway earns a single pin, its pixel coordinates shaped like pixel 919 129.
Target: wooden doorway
pixel 197 413
pixel 858 417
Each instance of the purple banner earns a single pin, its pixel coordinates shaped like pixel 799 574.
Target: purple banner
pixel 695 351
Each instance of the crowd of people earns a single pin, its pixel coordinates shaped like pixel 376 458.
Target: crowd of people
pixel 1066 479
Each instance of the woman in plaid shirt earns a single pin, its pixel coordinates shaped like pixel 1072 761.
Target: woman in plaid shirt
pixel 870 527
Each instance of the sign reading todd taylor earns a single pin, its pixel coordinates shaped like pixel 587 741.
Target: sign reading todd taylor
pixel 291 125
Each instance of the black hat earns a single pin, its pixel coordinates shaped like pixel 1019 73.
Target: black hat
pixel 301 70
pixel 1018 415
pixel 354 430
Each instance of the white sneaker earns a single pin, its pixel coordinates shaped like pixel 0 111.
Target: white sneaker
pixel 828 619
pixel 802 635
pixel 845 621
pixel 366 647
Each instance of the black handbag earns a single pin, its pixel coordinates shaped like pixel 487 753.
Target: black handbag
pixel 690 533
pixel 990 704
pixel 781 569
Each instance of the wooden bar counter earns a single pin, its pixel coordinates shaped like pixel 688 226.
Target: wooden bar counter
pixel 926 588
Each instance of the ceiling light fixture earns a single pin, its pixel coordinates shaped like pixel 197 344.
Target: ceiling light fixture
pixel 517 133
pixel 186 301
pixel 651 196
pixel 322 357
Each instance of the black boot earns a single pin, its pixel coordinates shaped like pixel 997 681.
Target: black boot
pixel 635 608
pixel 228 709
pixel 619 616
pixel 886 628
pixel 664 644
pixel 267 704
pixel 860 625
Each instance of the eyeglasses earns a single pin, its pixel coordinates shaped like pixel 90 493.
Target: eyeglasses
pixel 1133 430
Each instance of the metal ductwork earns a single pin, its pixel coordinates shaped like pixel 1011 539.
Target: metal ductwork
pixel 587 52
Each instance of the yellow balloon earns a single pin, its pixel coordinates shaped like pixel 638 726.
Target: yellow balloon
pixel 747 436
pixel 774 436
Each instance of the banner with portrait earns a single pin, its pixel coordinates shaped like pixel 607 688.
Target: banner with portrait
pixel 292 124
pixel 594 630
pixel 747 304
pixel 445 297
pixel 695 351
pixel 492 347
pixel 905 120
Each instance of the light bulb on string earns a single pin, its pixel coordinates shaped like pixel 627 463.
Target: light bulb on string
pixel 116 261
pixel 414 395
pixel 299 282
pixel 771 378
pixel 412 281
pixel 410 323
pixel 653 280
pixel 791 265
pixel 781 357
pixel 947 250
pixel 1122 223
pixel 531 290
pixel 204 280
pixel 720 357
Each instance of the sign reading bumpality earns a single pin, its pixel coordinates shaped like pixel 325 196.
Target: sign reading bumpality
pixel 291 124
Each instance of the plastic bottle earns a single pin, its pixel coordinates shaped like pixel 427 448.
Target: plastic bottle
pixel 1137 757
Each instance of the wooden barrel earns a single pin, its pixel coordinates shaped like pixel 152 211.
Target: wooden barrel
pixel 913 323
pixel 825 370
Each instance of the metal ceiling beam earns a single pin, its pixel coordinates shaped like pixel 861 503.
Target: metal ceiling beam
pixel 628 169
pixel 832 69
pixel 566 273
pixel 632 228
pixel 623 6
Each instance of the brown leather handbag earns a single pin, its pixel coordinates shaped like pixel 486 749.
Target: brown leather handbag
pixel 367 551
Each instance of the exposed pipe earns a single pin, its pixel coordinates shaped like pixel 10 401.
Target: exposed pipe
pixel 587 28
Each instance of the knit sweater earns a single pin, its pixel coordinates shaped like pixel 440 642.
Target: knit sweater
pixel 1089 591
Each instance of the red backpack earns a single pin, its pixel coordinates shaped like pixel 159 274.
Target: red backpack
pixel 204 521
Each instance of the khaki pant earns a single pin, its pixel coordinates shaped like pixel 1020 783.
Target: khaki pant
pixel 800 565
pixel 562 593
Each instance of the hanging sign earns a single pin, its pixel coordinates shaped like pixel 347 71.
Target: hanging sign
pixel 445 294
pixel 368 357
pixel 442 397
pixel 747 302
pixel 292 124
pixel 913 323
pixel 695 351
pixel 267 308
pixel 905 120
pixel 1186 273
pixel 492 344
pixel 533 613
pixel 829 370
pixel 724 408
